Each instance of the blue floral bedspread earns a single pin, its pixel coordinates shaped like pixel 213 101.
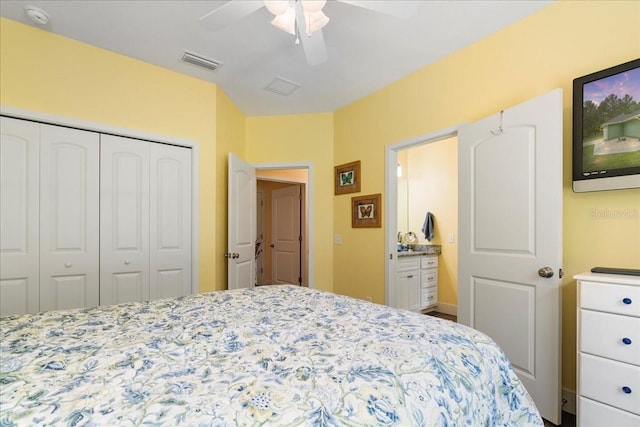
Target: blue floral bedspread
pixel 275 355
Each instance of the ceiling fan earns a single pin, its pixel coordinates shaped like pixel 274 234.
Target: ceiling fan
pixel 302 18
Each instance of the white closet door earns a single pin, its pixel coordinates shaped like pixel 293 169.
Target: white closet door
pixel 170 221
pixel 124 220
pixel 19 221
pixel 69 221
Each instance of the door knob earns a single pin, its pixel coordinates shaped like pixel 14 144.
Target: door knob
pixel 545 272
pixel 236 255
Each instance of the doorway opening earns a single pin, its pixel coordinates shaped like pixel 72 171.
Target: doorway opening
pixel 283 238
pixel 422 177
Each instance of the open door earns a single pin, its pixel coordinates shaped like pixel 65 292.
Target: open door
pixel 510 239
pixel 241 241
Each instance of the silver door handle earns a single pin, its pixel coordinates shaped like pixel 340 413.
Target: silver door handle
pixel 545 272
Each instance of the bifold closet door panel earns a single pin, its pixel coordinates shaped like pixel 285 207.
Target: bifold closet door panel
pixel 124 220
pixel 170 221
pixel 69 218
pixel 19 220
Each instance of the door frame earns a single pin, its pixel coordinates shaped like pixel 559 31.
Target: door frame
pixel 52 119
pixel 308 207
pixel 391 196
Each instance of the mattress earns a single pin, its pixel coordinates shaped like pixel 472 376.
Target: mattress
pixel 268 356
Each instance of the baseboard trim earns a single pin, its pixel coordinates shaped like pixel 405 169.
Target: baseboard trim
pixel 569 401
pixel 447 309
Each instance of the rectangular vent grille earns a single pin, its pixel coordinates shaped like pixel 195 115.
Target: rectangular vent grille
pixel 201 61
pixel 282 86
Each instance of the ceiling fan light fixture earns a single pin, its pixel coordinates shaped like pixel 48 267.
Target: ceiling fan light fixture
pixel 276 7
pixel 314 21
pixel 286 21
pixel 313 5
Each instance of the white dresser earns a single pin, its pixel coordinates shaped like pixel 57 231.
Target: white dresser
pixel 608 365
pixel 416 284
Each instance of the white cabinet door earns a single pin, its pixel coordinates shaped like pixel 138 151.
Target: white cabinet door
pixel 69 221
pixel 19 221
pixel 406 291
pixel 170 221
pixel 415 291
pixel 124 220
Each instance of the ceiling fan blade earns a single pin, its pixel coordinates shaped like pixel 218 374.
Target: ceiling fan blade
pixel 313 44
pixel 229 13
pixel 399 9
pixel 314 48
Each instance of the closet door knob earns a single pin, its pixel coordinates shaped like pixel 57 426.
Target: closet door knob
pixel 68 264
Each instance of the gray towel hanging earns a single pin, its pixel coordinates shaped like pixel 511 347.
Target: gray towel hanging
pixel 428 226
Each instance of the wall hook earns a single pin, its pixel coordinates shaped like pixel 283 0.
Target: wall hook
pixel 500 131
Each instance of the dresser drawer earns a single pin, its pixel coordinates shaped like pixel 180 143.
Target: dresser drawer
pixel 429 278
pixel 595 414
pixel 603 380
pixel 429 262
pixel 408 263
pixel 620 299
pixel 610 335
pixel 429 297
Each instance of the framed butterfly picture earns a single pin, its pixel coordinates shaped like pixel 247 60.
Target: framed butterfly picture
pixel 347 178
pixel 366 211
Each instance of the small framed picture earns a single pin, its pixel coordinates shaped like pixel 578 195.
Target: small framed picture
pixel 366 211
pixel 347 178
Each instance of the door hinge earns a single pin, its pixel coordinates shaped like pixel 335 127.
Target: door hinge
pixel 300 281
pixel 560 273
pixel 299 238
pixel 390 256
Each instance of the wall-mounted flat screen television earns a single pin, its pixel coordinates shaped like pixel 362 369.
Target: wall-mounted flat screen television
pixel 606 129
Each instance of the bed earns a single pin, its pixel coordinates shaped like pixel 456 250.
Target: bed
pixel 268 356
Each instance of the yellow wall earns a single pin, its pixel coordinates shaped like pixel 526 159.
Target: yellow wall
pixel 432 173
pixel 535 55
pixel 51 74
pixel 305 138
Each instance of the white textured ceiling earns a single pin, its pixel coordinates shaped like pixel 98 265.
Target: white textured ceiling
pixel 367 50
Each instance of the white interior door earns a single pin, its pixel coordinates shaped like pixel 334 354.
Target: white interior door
pixel 510 204
pixel 169 221
pixel 19 218
pixel 124 220
pixel 241 240
pixel 286 235
pixel 69 218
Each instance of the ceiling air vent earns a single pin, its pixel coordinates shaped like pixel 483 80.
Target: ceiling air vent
pixel 201 61
pixel 282 86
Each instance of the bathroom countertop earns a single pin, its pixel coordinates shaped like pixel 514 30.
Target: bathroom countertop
pixel 421 250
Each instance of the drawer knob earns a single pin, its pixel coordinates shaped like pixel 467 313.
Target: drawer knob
pixel 626 340
pixel 626 390
pixel 627 301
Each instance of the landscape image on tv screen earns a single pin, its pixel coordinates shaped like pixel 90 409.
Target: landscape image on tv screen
pixel 611 123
